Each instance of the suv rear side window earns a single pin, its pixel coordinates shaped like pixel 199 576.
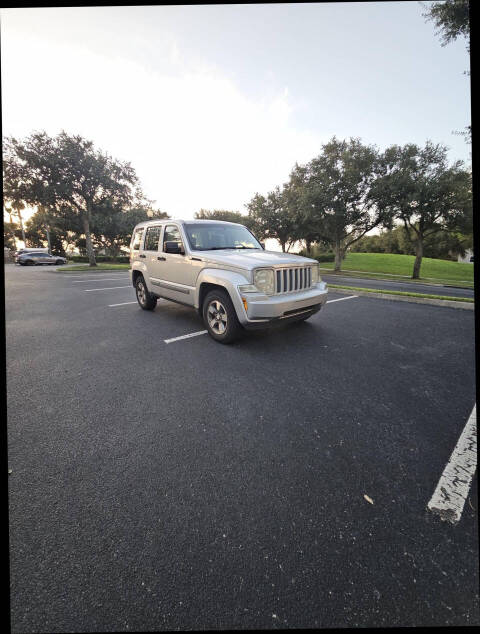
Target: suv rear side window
pixel 137 239
pixel 152 237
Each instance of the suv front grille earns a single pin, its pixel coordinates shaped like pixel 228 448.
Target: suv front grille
pixel 292 279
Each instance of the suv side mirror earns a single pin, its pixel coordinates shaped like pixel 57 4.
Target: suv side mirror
pixel 262 244
pixel 174 247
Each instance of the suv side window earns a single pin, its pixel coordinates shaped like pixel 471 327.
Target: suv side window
pixel 172 234
pixel 152 237
pixel 137 239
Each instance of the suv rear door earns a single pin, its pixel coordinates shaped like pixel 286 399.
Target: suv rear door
pixel 151 255
pixel 135 244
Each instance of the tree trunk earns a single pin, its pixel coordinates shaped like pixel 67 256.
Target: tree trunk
pixel 88 241
pixel 21 227
pixel 338 257
pixel 308 246
pixel 283 246
pixel 48 240
pixel 418 258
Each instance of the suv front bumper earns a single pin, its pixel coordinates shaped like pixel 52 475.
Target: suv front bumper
pixel 267 310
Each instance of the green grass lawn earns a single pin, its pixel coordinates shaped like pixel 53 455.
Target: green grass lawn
pixel 391 264
pixel 404 293
pixel 101 266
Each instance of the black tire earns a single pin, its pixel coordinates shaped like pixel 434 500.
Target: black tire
pixel 218 312
pixel 146 300
pixel 59 262
pixel 30 263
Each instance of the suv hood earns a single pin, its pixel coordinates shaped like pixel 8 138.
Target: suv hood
pixel 250 259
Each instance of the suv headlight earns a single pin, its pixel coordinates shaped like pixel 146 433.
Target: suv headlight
pixel 316 274
pixel 264 281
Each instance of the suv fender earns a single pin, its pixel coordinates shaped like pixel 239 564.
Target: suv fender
pixel 229 280
pixel 140 267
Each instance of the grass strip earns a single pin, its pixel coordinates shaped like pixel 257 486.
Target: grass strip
pixel 397 278
pixel 396 264
pixel 404 293
pixel 101 266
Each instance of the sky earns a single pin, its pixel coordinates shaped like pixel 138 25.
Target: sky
pixel 211 104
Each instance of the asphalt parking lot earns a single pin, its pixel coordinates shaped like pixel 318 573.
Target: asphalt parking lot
pixel 190 485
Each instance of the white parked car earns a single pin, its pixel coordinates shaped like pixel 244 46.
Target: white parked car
pixel 221 270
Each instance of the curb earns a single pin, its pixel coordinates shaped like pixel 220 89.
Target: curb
pixel 403 298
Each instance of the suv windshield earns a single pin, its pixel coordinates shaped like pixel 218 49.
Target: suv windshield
pixel 208 237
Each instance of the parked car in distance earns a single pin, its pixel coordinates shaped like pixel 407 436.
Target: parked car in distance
pixel 32 258
pixel 221 270
pixel 31 250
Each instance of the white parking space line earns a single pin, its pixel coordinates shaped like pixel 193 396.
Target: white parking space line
pixel 122 304
pixel 192 334
pixel 340 299
pixel 111 288
pixel 452 489
pixel 203 332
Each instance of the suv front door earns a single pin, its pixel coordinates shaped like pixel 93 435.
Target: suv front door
pixel 178 271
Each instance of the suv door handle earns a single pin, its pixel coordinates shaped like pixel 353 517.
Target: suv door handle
pixel 161 258
pixel 142 255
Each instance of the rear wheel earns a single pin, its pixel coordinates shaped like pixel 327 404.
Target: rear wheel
pixel 220 317
pixel 59 262
pixel 146 300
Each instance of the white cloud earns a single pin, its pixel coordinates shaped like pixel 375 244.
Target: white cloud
pixel 194 138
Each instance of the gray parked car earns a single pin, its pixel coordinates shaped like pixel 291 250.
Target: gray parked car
pixel 32 258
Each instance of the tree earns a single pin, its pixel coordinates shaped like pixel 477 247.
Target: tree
pixel 272 218
pixel 11 231
pixel 425 194
pixel 226 216
pixel 44 227
pixel 452 20
pixel 67 173
pixel 113 230
pixel 338 194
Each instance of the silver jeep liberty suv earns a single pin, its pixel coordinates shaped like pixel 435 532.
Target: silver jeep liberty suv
pixel 221 270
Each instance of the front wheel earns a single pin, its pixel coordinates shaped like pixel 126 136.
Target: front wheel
pixel 146 300
pixel 220 317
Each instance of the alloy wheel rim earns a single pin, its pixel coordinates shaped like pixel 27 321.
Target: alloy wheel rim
pixel 217 317
pixel 141 293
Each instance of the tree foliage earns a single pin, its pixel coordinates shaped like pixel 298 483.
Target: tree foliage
pixel 272 217
pixel 226 216
pixel 444 245
pixel 11 231
pixel 36 228
pixel 425 193
pixel 112 229
pixel 451 18
pixel 338 194
pixel 69 177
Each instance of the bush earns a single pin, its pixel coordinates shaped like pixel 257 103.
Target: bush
pixel 325 257
pixel 121 259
